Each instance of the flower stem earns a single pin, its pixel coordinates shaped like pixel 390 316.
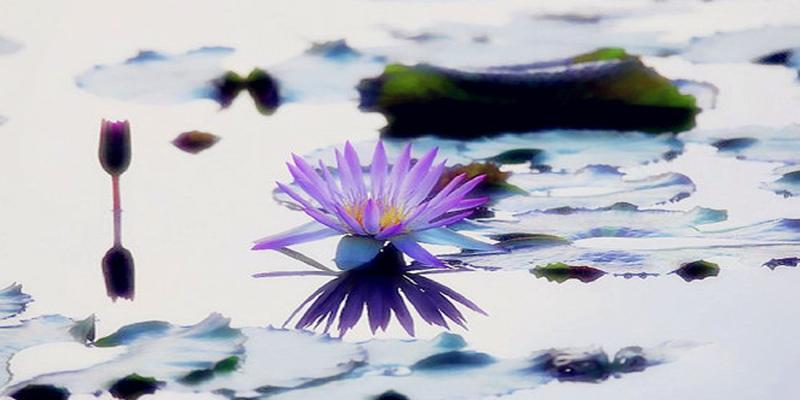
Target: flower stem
pixel 117 211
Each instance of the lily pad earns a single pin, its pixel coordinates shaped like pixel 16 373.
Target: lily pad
pixel 38 331
pixel 194 142
pixel 752 245
pixel 753 142
pixel 560 272
pixel 273 363
pixel 595 186
pixel 155 349
pixel 743 46
pixel 561 150
pixel 605 89
pixel 787 185
pixel 152 77
pixel 618 220
pixel 697 270
pixel 446 369
pixel 13 301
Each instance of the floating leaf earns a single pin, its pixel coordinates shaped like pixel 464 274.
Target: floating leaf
pixel 752 244
pixel 38 331
pixel 606 89
pixel 787 185
pixel 445 369
pixel 595 186
pixel 782 262
pixel 559 149
pixel 134 386
pixel 753 142
pixel 743 46
pixel 194 142
pixel 156 78
pixel 277 360
pixel 41 392
pixel 560 272
pixel 618 220
pixel 495 181
pixel 13 301
pixel 697 270
pixel 155 349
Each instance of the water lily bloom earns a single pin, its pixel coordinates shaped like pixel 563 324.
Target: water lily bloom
pixel 398 205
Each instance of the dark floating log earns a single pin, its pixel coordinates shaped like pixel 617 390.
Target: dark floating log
pixel 605 89
pixel 194 142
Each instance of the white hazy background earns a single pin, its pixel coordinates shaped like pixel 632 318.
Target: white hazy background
pixel 189 220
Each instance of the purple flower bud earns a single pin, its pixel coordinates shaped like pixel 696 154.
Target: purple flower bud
pixel 115 146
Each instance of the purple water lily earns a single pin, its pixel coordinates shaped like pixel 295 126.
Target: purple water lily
pixel 398 206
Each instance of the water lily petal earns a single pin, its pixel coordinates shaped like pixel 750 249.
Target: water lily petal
pixel 354 165
pixel 390 231
pixel 372 216
pixel 448 220
pixel 417 173
pixel 304 233
pixel 447 237
pixel 408 245
pixel 378 170
pixel 399 170
pixel 318 193
pixel 348 219
pixel 423 189
pixel 348 184
pixel 333 187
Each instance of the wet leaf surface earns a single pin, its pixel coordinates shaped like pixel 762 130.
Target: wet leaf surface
pixel 13 301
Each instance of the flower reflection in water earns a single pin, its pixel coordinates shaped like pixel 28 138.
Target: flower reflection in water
pixel 383 286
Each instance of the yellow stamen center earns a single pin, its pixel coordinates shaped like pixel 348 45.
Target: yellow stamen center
pixel 390 215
